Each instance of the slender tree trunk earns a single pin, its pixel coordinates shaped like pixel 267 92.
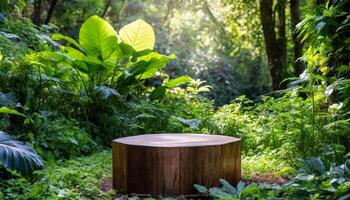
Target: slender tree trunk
pixel 108 3
pixel 298 47
pixel 275 39
pixel 37 12
pixel 51 10
pixel 281 54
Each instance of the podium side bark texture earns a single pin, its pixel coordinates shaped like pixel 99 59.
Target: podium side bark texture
pixel 162 170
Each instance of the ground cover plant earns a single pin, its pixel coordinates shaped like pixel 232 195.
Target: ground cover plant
pixel 75 75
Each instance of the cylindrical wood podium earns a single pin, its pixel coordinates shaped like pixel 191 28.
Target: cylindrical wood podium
pixel 169 164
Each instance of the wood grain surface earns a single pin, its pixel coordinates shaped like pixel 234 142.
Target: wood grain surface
pixel 169 164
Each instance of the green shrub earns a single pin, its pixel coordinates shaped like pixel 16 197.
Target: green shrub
pixel 73 179
pixel 59 137
pixel 297 127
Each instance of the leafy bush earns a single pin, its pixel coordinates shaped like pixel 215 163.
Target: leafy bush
pixel 292 124
pixel 73 179
pixel 266 164
pixel 320 180
pixel 316 180
pixel 229 192
pixel 59 137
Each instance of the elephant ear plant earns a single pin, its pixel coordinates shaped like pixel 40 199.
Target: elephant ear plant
pixel 108 62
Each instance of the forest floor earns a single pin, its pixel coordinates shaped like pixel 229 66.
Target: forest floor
pixel 90 177
pixel 270 176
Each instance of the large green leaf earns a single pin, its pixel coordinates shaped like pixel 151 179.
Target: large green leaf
pixel 97 37
pixel 138 34
pixel 17 156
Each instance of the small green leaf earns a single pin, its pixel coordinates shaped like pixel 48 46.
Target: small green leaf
pixel 218 193
pixel 201 188
pixel 105 92
pixel 158 93
pixel 7 110
pixel 139 35
pixel 347 168
pixel 240 186
pixel 1 56
pixel 149 64
pixel 178 81
pixel 58 36
pixel 74 54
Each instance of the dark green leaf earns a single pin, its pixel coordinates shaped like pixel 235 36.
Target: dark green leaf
pixel 158 93
pixel 17 156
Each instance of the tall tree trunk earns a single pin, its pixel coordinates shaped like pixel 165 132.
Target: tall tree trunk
pixel 37 12
pixel 298 47
pixel 51 10
pixel 281 54
pixel 275 39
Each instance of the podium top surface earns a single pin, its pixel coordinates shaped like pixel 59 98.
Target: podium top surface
pixel 176 140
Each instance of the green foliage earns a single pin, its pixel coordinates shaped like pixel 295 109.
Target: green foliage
pixel 73 179
pixel 316 180
pixel 17 156
pixel 319 180
pixel 102 58
pixel 66 99
pixel 7 110
pixel 289 123
pixel 266 164
pixel 58 137
pixel 324 29
pixel 229 192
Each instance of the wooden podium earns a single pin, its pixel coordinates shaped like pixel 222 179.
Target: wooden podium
pixel 169 164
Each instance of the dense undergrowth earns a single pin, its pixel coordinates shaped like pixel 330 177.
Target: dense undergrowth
pixel 67 98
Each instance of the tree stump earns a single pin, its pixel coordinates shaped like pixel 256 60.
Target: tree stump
pixel 169 164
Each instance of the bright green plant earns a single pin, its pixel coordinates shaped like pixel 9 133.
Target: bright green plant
pixel 267 164
pixel 107 61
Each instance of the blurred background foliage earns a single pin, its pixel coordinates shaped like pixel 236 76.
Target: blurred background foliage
pixel 213 40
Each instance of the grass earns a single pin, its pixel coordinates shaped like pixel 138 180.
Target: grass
pixel 266 167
